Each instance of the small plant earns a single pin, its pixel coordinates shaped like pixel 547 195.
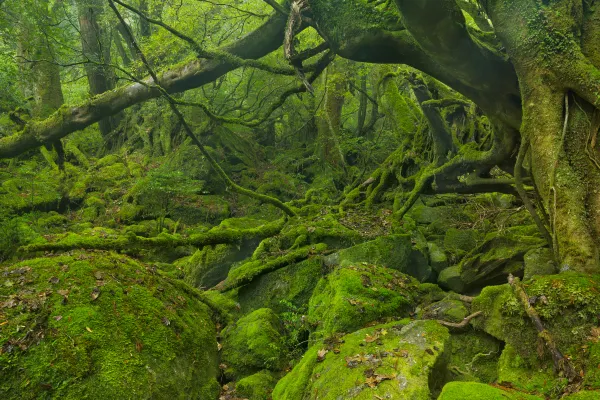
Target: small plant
pixel 296 327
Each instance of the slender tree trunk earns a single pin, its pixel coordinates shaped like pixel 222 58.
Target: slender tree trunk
pixel 330 121
pixel 95 44
pixel 362 108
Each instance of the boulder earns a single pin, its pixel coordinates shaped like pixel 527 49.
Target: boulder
pixel 353 296
pixel 255 342
pixel 99 325
pixel 479 391
pixel 539 262
pixel 437 257
pixel 256 387
pixel 398 360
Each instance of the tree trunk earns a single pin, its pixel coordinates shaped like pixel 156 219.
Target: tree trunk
pixel 95 44
pixel 330 120
pixel 553 48
pixel 362 107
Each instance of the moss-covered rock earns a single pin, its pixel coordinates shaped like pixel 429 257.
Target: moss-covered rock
pixel 539 262
pixel 353 296
pixel 479 391
pixel 447 309
pixel 437 257
pixel 498 256
pixel 255 342
pixel 568 305
pixel 450 278
pixel 474 357
pixel 256 387
pixel 398 360
pixel 459 241
pixel 294 284
pixel 99 325
pixel 392 251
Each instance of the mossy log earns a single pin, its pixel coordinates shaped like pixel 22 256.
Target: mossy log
pixel 132 242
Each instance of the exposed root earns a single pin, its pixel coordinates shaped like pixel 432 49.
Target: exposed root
pixel 562 365
pixel 460 325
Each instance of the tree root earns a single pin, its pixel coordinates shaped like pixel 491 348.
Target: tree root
pixel 562 365
pixel 131 243
pixel 460 325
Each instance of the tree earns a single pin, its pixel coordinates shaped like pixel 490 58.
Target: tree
pixel 535 77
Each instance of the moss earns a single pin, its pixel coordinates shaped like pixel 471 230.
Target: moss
pixel 108 161
pixel 437 257
pixel 450 278
pixel 459 241
pixel 568 305
pixel 479 391
pixel 353 296
pixel 53 219
pixel 474 357
pixel 407 353
pixel 446 309
pixel 253 343
pixel 584 395
pixel 256 387
pixel 101 325
pixel 294 284
pixel 528 374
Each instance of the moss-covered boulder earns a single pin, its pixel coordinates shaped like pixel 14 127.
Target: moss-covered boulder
pixel 353 296
pixel 539 262
pixel 569 307
pixel 399 360
pixel 437 257
pixel 450 278
pixel 447 309
pixel 460 241
pixel 256 387
pixel 392 251
pixel 498 256
pixel 479 391
pixel 255 342
pixel 98 325
pixel 292 284
pixel 474 357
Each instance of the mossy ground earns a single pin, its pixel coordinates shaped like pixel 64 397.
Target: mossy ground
pixel 100 325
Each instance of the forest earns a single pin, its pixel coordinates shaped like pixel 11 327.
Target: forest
pixel 300 199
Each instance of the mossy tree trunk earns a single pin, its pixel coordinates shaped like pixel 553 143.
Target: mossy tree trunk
pixel 95 45
pixel 329 121
pixel 553 46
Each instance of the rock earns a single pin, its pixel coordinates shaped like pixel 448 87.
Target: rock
pixel 353 296
pixel 393 251
pixel 211 264
pixel 292 284
pixel 450 279
pixel 392 361
pixel 539 262
pixel 101 325
pixel 447 310
pixel 497 257
pixel 253 343
pixel 437 257
pixel 568 305
pixel 256 387
pixel 459 242
pixel 479 391
pixel 474 356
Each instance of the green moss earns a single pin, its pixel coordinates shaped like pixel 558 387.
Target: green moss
pixel 101 325
pixel 584 395
pixel 353 296
pixel 253 343
pixel 568 305
pixel 478 391
pixel 527 374
pixel 407 353
pixel 474 357
pixel 459 241
pixel 294 284
pixel 256 387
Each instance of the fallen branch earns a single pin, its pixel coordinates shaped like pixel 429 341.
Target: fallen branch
pixel 249 271
pixel 462 324
pixel 132 242
pixel 562 365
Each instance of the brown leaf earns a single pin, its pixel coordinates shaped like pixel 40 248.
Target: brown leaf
pixel 321 354
pixel 371 339
pixel 99 275
pixel 139 346
pixel 95 293
pixel 54 280
pixel 58 317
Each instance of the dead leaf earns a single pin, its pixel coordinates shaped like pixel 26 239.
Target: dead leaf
pixel 98 275
pixel 321 354
pixel 371 339
pixel 88 329
pixel 139 346
pixel 54 280
pixel 219 346
pixel 165 321
pixel 58 317
pixel 95 293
